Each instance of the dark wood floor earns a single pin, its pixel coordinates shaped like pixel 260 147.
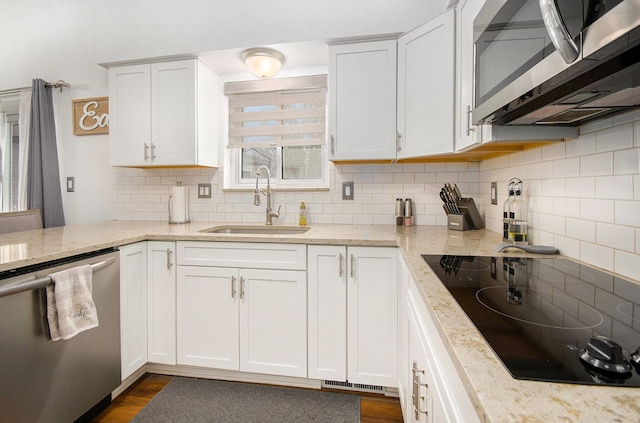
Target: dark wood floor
pixel 374 408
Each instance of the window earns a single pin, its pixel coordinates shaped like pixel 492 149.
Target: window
pixel 279 123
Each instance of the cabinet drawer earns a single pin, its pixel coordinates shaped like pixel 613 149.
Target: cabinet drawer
pixel 243 255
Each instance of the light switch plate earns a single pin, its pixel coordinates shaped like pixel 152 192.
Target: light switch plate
pixel 71 184
pixel 347 190
pixel 494 193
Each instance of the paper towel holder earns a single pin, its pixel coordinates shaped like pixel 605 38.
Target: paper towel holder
pixel 170 207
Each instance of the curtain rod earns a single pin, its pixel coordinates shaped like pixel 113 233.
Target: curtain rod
pixel 58 84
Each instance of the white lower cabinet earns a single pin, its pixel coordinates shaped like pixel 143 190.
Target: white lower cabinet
pixel 429 386
pixel 237 318
pixel 161 277
pixel 353 314
pixel 133 308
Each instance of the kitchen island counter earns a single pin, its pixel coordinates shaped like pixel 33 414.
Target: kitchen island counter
pixel 496 396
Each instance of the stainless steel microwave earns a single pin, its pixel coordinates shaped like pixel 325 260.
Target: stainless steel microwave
pixel 556 62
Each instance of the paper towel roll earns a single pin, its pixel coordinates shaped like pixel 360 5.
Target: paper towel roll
pixel 179 205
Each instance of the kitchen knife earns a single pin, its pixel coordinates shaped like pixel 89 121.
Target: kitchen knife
pixel 456 190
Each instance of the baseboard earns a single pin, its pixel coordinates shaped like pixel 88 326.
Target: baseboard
pixel 231 375
pixel 238 376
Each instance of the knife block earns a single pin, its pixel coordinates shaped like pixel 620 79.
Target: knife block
pixel 468 218
pixel 458 222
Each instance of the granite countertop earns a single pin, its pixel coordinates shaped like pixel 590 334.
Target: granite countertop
pixel 496 396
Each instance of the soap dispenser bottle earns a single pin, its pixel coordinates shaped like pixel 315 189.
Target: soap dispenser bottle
pixel 302 214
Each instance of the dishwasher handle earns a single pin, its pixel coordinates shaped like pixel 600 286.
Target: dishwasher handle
pixel 33 283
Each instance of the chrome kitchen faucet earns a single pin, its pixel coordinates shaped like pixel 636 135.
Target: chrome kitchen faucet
pixel 270 214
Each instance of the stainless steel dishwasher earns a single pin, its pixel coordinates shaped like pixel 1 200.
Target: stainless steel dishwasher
pixel 62 381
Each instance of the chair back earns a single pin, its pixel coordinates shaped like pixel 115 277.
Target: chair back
pixel 25 220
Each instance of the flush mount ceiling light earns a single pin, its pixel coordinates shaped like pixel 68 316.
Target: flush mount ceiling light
pixel 263 62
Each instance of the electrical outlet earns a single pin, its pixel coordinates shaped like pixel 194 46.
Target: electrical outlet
pixel 204 190
pixel 494 193
pixel 347 190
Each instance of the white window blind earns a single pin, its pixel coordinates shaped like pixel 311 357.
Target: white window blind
pixel 286 112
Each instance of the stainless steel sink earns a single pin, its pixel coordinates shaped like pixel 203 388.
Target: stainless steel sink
pixel 257 230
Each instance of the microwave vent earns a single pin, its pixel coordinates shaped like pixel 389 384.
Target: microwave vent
pixel 572 115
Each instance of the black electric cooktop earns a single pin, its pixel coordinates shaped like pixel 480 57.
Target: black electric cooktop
pixel 550 319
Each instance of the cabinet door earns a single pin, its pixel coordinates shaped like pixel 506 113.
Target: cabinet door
pixel 327 310
pixel 273 322
pixel 362 100
pixel 426 88
pixel 372 315
pixel 423 400
pixel 133 308
pixel 161 276
pixel 173 107
pixel 207 317
pixel 467 134
pixel 404 391
pixel 130 115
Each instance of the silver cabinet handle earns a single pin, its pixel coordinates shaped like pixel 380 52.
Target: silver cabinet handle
pixel 353 266
pixel 333 145
pixel 169 264
pixel 340 265
pixel 153 151
pixel 233 286
pixel 398 142
pixel 416 391
pixel 241 287
pixel 146 152
pixel 469 128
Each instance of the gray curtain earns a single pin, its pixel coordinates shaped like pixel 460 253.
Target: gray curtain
pixel 43 185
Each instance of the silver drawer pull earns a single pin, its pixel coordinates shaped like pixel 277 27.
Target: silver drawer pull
pixel 233 286
pixel 341 265
pixel 353 266
pixel 241 287
pixel 169 264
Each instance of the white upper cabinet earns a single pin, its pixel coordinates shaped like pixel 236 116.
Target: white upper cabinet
pixel 163 114
pixel 394 99
pixel 362 100
pixel 467 134
pixel 426 87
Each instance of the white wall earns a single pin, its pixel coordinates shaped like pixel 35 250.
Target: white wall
pixel 55 40
pixel 130 30
pixel 583 195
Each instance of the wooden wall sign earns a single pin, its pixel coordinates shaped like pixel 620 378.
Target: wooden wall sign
pixel 91 116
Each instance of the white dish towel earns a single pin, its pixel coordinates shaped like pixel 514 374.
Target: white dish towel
pixel 70 306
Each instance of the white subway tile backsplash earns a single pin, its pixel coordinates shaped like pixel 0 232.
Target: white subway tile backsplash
pixel 540 170
pixel 584 230
pixel 597 210
pixel 627 264
pixel 615 138
pixel 615 187
pixel 597 255
pixel 627 213
pixel 566 167
pixel 596 164
pixel 616 236
pixel 582 146
pixel 554 151
pixel 581 187
pixel 626 161
pixel 568 207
